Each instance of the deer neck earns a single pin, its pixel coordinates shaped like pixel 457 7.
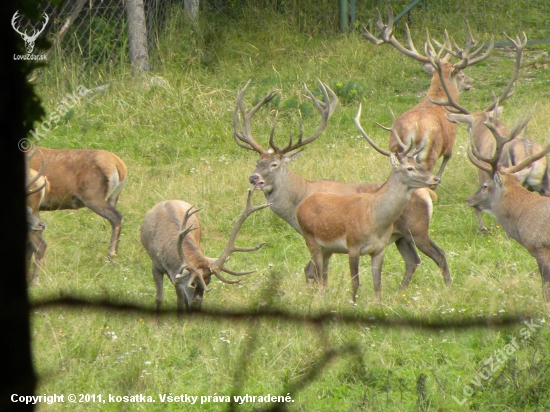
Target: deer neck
pixel 437 93
pixel 193 255
pixel 511 201
pixel 286 193
pixel 390 201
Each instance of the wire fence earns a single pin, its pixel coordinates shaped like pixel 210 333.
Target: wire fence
pixel 90 37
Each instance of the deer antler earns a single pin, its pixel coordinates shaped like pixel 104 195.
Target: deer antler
pixel 406 149
pixel 386 36
pixel 466 56
pixel 435 60
pixel 218 265
pixel 325 108
pixel 519 45
pixel 243 132
pixel 184 230
pixel 500 141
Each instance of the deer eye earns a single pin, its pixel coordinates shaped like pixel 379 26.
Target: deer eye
pixel 274 165
pixel 410 169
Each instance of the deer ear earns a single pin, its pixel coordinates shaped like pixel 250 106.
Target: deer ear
pixel 289 158
pixel 522 175
pixel 428 68
pixel 459 118
pixel 498 179
pixel 394 160
pixel 496 112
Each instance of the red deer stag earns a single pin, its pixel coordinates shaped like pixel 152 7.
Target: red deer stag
pixel 37 187
pixel 425 124
pixel 171 235
pixel 285 190
pixel 85 178
pixel 524 216
pixel 361 223
pixel 534 178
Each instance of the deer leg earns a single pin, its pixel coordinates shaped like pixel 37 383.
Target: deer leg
pixel 41 246
pixel 434 252
pixel 316 259
pixel 182 299
pixel 158 277
pixel 377 260
pixel 309 271
pixel 479 216
pixel 114 217
pixel 354 272
pixel 544 268
pixel 446 158
pixel 412 260
pixel 326 259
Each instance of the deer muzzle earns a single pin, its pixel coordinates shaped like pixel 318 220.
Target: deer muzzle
pixel 256 180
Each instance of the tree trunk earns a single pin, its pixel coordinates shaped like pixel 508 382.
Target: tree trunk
pixel 137 36
pixel 192 9
pixel 18 108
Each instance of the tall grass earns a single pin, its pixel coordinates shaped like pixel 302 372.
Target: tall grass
pixel 176 139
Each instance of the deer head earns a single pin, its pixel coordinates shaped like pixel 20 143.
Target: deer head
pixel 431 59
pixel 193 279
pixel 274 160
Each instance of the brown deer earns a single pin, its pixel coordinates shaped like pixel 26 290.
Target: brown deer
pixel 37 187
pixel 85 178
pixel 285 190
pixel 361 223
pixel 171 235
pixel 524 216
pixel 535 178
pixel 425 124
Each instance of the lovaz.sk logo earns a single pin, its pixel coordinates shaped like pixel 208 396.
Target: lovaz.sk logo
pixel 29 39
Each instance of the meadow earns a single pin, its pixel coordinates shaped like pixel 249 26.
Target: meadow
pixel 176 139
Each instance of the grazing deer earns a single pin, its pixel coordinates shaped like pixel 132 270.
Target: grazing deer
pixel 524 215
pixel 535 178
pixel 36 188
pixel 285 190
pixel 85 178
pixel 171 235
pixel 360 223
pixel 425 124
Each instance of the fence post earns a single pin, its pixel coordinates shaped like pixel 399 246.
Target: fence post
pixel 344 15
pixel 137 36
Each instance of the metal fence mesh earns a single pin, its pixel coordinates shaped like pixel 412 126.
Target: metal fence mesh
pixel 90 36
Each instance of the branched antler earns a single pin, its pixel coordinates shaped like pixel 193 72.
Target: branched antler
pixel 218 265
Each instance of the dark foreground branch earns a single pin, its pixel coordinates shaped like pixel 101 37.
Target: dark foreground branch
pixel 365 318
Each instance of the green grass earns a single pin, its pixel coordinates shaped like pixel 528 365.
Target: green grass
pixel 177 143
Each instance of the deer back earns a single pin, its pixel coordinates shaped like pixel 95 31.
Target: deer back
pixel 77 174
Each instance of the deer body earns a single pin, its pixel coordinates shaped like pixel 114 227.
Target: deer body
pixel 159 232
pixel 524 215
pixel 425 124
pixel 534 179
pixel 85 178
pixel 359 224
pixel 171 235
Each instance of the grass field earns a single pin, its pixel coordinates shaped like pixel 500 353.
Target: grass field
pixel 176 140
